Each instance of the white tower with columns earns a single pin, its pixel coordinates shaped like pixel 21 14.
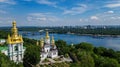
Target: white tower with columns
pixel 15 45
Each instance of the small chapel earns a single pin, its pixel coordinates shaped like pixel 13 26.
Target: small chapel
pixel 48 47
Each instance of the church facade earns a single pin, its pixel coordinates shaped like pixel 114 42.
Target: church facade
pixel 15 49
pixel 48 47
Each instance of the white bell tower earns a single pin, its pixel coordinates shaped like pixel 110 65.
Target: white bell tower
pixel 15 45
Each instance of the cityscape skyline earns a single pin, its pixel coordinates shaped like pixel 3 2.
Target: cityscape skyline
pixel 60 12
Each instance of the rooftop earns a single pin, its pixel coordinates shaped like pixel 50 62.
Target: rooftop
pixel 3 48
pixel 6 48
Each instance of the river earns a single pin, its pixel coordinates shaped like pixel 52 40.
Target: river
pixel 108 42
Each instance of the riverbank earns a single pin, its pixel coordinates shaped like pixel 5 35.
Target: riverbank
pixel 96 35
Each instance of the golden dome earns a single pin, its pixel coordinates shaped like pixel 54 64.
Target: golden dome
pixel 53 41
pixel 47 35
pixel 41 42
pixel 15 38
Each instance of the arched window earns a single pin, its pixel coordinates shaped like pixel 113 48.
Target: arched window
pixel 16 48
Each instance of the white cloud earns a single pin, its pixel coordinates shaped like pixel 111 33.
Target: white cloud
pixel 37 14
pixel 36 17
pixel 3 0
pixel 46 2
pixel 115 18
pixel 29 18
pixel 112 18
pixel 3 12
pixel 5 21
pixel 81 8
pixel 45 17
pixel 94 18
pixel 118 17
pixel 110 12
pixel 12 2
pixel 81 20
pixel 104 18
pixel 41 18
pixel 114 5
pixel 27 0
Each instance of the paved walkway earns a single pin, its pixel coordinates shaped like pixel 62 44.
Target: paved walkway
pixel 67 59
pixel 53 61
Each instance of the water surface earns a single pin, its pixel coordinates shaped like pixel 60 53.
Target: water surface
pixel 108 42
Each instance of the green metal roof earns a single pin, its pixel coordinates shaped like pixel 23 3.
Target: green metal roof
pixel 3 48
pixel 6 48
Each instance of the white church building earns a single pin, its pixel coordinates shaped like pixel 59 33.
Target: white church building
pixel 48 47
pixel 15 49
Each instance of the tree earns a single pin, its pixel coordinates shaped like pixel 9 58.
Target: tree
pixel 31 56
pixel 85 46
pixel 85 59
pixel 105 62
pixel 99 50
pixel 62 47
pixel 28 42
pixel 118 56
pixel 109 63
pixel 75 65
pixel 6 62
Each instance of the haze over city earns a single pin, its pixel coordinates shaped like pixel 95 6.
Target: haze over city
pixel 59 12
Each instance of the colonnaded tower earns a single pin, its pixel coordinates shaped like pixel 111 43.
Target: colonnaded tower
pixel 15 45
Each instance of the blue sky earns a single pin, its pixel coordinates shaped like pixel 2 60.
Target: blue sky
pixel 59 12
